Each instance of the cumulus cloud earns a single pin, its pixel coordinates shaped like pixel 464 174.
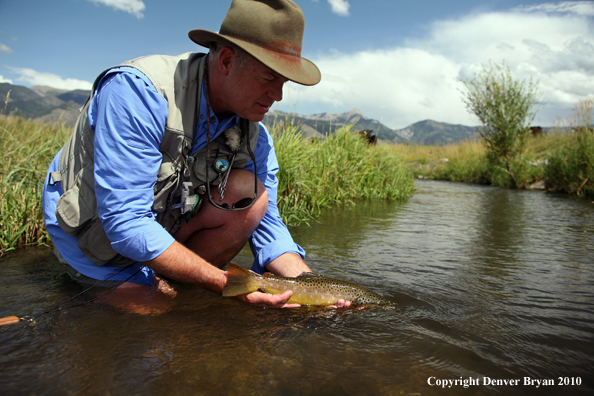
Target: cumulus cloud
pixel 422 78
pixel 4 48
pixel 134 7
pixel 340 7
pixel 34 77
pixel 5 80
pixel 397 86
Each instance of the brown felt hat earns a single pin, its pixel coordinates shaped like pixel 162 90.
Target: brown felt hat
pixel 269 30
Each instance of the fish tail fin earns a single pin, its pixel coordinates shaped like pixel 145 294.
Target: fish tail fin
pixel 239 281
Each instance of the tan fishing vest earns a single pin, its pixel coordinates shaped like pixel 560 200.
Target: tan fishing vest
pixel 179 80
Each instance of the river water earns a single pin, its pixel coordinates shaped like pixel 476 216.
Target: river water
pixel 493 291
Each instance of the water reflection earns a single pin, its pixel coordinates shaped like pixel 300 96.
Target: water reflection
pixel 488 283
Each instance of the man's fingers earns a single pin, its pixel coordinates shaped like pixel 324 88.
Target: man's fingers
pixel 340 304
pixel 275 300
pixel 280 300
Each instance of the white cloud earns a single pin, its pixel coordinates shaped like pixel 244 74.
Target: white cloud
pixel 398 86
pixel 585 8
pixel 5 80
pixel 421 79
pixel 4 48
pixel 34 77
pixel 340 7
pixel 134 7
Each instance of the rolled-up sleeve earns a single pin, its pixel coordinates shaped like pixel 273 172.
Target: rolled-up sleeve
pixel 272 238
pixel 128 116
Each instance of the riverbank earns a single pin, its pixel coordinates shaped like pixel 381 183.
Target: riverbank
pixel 557 162
pixel 340 169
pixel 314 175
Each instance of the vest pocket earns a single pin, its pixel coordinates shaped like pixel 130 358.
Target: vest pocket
pixel 72 212
pixel 97 247
pixel 167 182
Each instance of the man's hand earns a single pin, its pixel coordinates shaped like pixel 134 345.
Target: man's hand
pixel 340 304
pixel 273 300
pixel 292 265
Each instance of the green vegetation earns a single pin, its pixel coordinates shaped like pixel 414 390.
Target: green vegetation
pixel 571 167
pixel 503 105
pixel 467 162
pixel 27 148
pixel 562 161
pixel 314 175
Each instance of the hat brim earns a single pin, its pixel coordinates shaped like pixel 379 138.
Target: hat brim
pixel 295 68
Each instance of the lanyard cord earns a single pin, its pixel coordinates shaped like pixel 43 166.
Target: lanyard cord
pixel 243 125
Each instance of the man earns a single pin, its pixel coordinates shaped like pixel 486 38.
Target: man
pixel 159 175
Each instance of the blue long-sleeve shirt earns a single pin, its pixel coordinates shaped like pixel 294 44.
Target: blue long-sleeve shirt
pixel 128 116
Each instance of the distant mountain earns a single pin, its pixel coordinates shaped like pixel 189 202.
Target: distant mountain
pixel 426 132
pixel 46 104
pixel 43 104
pixel 323 124
pixel 433 133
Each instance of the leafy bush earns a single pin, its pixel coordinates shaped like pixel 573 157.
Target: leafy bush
pixel 503 106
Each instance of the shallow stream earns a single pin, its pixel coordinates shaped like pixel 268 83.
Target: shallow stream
pixel 493 288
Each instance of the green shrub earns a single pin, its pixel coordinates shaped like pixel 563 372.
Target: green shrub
pixel 503 106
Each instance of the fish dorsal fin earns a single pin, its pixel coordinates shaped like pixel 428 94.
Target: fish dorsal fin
pixel 309 275
pixel 267 274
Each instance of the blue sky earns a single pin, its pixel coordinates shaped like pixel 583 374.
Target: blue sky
pixel 397 61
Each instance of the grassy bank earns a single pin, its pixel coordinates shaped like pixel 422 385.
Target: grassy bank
pixel 313 176
pixel 561 162
pixel 27 148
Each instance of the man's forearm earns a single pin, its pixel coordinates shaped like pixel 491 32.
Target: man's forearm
pixel 181 264
pixel 288 264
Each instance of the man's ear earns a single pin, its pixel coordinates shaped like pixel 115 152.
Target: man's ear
pixel 226 60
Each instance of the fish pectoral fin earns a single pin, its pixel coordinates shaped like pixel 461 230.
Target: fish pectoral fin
pixel 309 274
pixel 262 290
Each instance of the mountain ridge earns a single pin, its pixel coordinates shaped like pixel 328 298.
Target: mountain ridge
pixel 426 132
pixel 47 104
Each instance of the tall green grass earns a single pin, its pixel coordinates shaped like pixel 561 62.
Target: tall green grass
pixel 571 167
pixel 27 149
pixel 563 160
pixel 313 175
pixel 555 159
pixel 340 169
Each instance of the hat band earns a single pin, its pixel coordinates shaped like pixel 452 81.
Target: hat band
pixel 280 46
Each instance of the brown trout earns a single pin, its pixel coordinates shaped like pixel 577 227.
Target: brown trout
pixel 308 288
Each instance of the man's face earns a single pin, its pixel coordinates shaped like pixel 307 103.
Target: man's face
pixel 254 89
